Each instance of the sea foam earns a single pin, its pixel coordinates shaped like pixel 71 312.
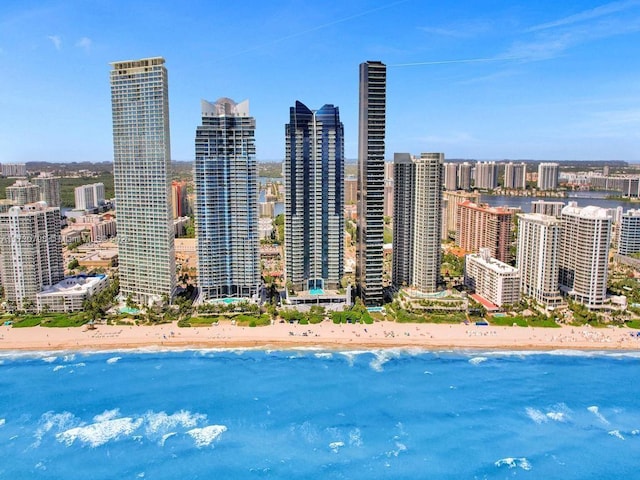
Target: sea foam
pixel 206 435
pixel 511 462
pixel 596 411
pixel 113 360
pixel 477 360
pixel 2 421
pixel 100 433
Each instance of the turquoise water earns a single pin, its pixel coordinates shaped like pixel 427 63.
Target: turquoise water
pixel 229 301
pixel 316 291
pixel 389 414
pixel 129 311
pixel 500 315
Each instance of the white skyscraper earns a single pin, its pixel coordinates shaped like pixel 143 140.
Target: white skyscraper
pixel 548 174
pixel 88 197
pixel 23 192
pixel 486 175
pixel 584 254
pixel 226 206
pixel 629 238
pixel 515 175
pixel 49 189
pixel 142 156
pixel 450 176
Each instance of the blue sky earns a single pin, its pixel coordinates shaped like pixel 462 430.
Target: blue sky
pixel 484 79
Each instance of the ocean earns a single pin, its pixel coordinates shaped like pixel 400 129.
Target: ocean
pixel 316 414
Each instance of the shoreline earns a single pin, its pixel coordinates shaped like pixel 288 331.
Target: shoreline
pixel 323 336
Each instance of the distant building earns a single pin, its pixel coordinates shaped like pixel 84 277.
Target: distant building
pixel 548 174
pixel 30 252
pixel 464 176
pixel 538 253
pixel 450 176
pixel 584 254
pixel 629 238
pixel 492 279
pixel 480 226
pixel 486 175
pixel 179 200
pixel 453 199
pixel 547 208
pixel 69 294
pixel 267 209
pixel 49 189
pixel 89 197
pixel 23 192
pixel 350 191
pixel 515 176
pixel 14 170
pixel 388 197
pixel 417 221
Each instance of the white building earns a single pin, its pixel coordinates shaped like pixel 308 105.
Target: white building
pixel 493 280
pixel 49 188
pixel 23 192
pixel 515 175
pixel 547 208
pixel 14 170
pixel 89 197
pixel 69 294
pixel 629 236
pixel 537 257
pixel 486 175
pixel 548 174
pixel 450 176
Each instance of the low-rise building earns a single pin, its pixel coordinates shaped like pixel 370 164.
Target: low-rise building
pixel 69 294
pixel 493 280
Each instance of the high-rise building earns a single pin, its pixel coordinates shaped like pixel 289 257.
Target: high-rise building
pixel 89 197
pixel 538 252
pixel 14 170
pixel 450 176
pixel 179 199
pixel 480 226
pixel 547 208
pixel 548 174
pixel 23 192
pixel 515 176
pixel 49 189
pixel 453 199
pixel 30 252
pixel 464 176
pixel 226 213
pixel 142 156
pixel 350 191
pixel 584 254
pixel 492 279
pixel 629 237
pixel 314 200
pixel 486 175
pixel 371 147
pixel 417 221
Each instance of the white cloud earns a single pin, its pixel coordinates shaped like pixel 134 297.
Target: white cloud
pixel 85 43
pixel 602 10
pixel 56 40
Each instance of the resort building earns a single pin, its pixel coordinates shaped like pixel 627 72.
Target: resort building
pixel 417 221
pixel 629 236
pixel 480 226
pixel 226 210
pixel 452 200
pixel 464 176
pixel 486 175
pixel 515 176
pixel 23 192
pixel 30 253
pixel 49 189
pixel 584 254
pixel 547 208
pixel 450 176
pixel 491 279
pixel 538 252
pixel 70 294
pixel 89 197
pixel 371 165
pixel 314 199
pixel 548 174
pixel 141 166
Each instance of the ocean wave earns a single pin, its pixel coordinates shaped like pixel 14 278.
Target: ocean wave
pixel 400 447
pixel 335 446
pixel 355 437
pixel 206 435
pixel 107 415
pixel 165 437
pixel 113 360
pixel 71 357
pixel 511 462
pixel 160 423
pixel 477 360
pixel 326 355
pixel 2 421
pixel 536 415
pixel 99 433
pixel 51 420
pixel 616 433
pixel 596 411
pixel 557 413
pixel 59 367
pixel 49 359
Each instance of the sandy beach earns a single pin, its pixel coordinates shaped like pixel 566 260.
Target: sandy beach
pixel 324 335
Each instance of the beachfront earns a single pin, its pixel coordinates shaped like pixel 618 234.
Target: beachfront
pixel 324 335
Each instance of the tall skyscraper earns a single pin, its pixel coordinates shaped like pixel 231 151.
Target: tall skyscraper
pixel 464 176
pixel 538 252
pixel 49 189
pixel 417 221
pixel 548 176
pixel 30 252
pixel 486 175
pixel 23 192
pixel 314 200
pixel 584 254
pixel 179 199
pixel 226 213
pixel 450 176
pixel 483 226
pixel 515 176
pixel 371 147
pixel 142 156
pixel 453 199
pixel 629 238
pixel 88 197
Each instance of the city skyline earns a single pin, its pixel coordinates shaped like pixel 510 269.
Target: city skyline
pixel 549 82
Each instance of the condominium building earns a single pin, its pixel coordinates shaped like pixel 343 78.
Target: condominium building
pixel 14 170
pixel 179 200
pixel 450 176
pixel 629 236
pixel 453 199
pixel 69 294
pixel 547 208
pixel 515 176
pixel 417 221
pixel 142 156
pixel 371 147
pixel 480 226
pixel 23 192
pixel 226 209
pixel 537 257
pixel 89 197
pixel 584 254
pixel 49 188
pixel 350 191
pixel 486 175
pixel 30 252
pixel 548 174
pixel 314 199
pixel 464 176
pixel 492 279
